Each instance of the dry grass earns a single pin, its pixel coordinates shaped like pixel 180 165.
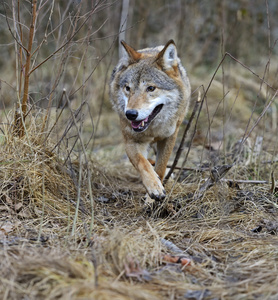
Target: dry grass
pixel 74 224
pixel 229 234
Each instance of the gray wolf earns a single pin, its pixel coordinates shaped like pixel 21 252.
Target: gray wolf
pixel 150 91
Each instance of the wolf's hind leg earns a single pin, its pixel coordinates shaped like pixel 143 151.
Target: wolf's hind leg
pixel 164 150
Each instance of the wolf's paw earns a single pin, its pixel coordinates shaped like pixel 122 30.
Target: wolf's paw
pixel 157 191
pixel 158 197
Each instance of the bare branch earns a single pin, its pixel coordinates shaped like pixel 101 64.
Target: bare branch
pixel 181 147
pixel 66 43
pixel 9 27
pixel 215 175
pixel 28 58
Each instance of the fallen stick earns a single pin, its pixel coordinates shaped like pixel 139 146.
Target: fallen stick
pixel 245 181
pixel 273 188
pixel 181 146
pixel 171 246
pixel 215 175
pixel 191 169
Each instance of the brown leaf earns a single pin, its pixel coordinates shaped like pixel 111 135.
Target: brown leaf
pixel 6 228
pixel 133 269
pixel 184 261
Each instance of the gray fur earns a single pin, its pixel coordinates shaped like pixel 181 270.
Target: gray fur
pixel 151 83
pixel 129 73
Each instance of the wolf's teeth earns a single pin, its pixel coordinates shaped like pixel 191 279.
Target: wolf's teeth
pixel 143 123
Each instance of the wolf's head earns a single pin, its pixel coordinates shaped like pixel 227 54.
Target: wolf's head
pixel 149 81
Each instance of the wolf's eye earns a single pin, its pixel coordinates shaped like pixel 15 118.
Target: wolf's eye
pixel 150 88
pixel 127 88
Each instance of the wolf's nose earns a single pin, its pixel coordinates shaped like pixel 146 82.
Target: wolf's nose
pixel 131 114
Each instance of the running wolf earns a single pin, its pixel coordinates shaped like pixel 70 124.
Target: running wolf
pixel 150 91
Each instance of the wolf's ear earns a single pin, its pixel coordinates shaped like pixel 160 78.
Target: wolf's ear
pixel 132 54
pixel 167 57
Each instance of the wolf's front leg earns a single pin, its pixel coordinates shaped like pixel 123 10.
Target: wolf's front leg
pixel 137 154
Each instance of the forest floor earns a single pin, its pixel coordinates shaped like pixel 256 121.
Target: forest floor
pixel 80 228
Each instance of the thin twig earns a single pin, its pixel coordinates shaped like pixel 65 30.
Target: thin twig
pixel 181 147
pixel 20 49
pixel 215 175
pixel 247 68
pixel 273 186
pixel 70 123
pixel 91 201
pixel 9 27
pixel 270 161
pixel 202 169
pixel 78 195
pixel 67 42
pixel 193 135
pixel 260 117
pixel 97 64
pixel 209 85
pixel 56 121
pixel 103 94
pixel 245 181
pixel 46 28
pixel 171 246
pixel 57 79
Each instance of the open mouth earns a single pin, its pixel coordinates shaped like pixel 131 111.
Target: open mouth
pixel 142 125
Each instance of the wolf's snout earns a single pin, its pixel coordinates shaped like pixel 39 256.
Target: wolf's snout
pixel 131 114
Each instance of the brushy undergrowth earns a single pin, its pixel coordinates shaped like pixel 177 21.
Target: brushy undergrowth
pixel 119 248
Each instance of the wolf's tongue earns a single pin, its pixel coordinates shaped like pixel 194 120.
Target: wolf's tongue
pixel 136 124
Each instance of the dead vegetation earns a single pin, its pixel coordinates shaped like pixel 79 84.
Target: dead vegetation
pixel 73 220
pixel 220 244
